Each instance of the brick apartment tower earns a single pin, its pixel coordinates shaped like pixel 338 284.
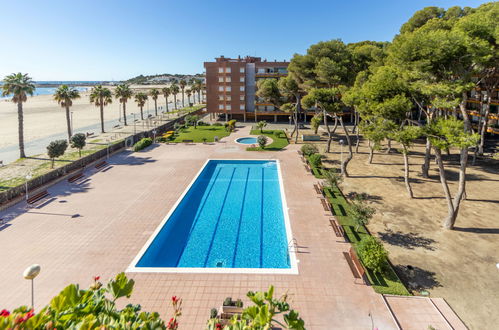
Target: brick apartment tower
pixel 231 87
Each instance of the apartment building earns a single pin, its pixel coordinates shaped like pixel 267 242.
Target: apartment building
pixel 231 87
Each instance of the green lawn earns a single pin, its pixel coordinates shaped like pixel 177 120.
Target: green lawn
pixel 278 142
pixel 388 282
pixel 197 134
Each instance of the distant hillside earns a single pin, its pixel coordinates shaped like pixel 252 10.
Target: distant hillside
pixel 161 78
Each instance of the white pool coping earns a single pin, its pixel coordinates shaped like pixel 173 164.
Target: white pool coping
pixel 269 141
pixel 214 270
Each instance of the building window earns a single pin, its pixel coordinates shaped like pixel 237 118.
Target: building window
pixel 220 70
pixel 220 97
pixel 227 70
pixel 241 69
pixel 227 89
pixel 228 98
pixel 220 107
pixel 227 79
pixel 241 97
pixel 241 107
pixel 261 70
pixel 220 88
pixel 241 88
pixel 227 107
pixel 220 79
pixel 241 79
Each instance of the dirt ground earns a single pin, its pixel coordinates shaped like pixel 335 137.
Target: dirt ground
pixel 458 265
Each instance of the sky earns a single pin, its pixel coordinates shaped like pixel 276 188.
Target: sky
pixel 116 40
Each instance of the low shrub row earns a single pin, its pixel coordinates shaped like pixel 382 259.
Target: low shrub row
pixel 314 159
pixel 142 143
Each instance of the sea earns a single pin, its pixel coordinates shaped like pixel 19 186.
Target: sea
pixel 40 90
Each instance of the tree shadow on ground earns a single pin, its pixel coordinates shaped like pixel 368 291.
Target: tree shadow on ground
pixel 407 240
pixel 365 196
pixel 478 230
pixel 417 278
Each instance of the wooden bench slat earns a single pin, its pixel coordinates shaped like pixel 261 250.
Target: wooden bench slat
pixel 38 196
pixel 351 265
pixel 356 261
pixel 101 165
pixel 75 177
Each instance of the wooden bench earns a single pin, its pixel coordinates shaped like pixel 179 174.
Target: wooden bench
pixel 101 165
pixel 37 197
pixel 308 168
pixel 325 205
pixel 187 141
pixel 354 264
pixel 75 177
pixel 338 229
pixel 299 153
pixel 317 189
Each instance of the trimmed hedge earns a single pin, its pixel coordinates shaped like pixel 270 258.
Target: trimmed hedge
pixel 142 143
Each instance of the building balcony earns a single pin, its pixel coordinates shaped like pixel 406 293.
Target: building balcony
pixel 270 75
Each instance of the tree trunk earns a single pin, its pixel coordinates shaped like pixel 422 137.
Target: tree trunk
pixel 425 168
pixel 329 134
pixel 20 129
pixel 183 105
pixel 371 153
pixel 156 107
pixel 175 101
pixel 68 122
pixel 347 159
pixel 141 113
pixel 406 172
pixel 297 111
pixel 357 135
pixel 124 113
pixel 102 116
pixel 166 103
pixel 389 146
pixel 451 217
pixel 484 127
pixel 335 125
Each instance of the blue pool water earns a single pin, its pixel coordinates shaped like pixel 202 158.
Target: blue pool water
pixel 231 217
pixel 247 140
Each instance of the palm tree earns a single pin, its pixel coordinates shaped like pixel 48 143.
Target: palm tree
pixel 65 95
pixel 189 93
pixel 174 89
pixel 182 84
pixel 166 92
pixel 19 86
pixel 101 96
pixel 141 99
pixel 123 93
pixel 154 95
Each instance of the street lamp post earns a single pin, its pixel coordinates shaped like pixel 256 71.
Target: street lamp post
pixel 28 177
pixel 30 273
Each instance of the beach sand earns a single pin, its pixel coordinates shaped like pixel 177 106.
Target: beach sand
pixel 44 117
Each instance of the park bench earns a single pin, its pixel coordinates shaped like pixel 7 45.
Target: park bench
pixel 325 205
pixel 309 170
pixel 37 197
pixel 354 264
pixel 318 190
pixel 101 165
pixel 299 152
pixel 338 229
pixel 89 134
pixel 187 141
pixel 75 177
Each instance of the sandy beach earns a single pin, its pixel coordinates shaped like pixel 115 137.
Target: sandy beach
pixel 44 117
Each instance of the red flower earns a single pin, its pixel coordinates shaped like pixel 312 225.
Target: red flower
pixel 172 324
pixel 96 278
pixel 4 313
pixel 218 326
pixel 175 299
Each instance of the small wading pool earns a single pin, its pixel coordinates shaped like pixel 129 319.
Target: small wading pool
pixel 233 218
pixel 247 140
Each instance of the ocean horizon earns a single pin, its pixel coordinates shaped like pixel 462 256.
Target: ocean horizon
pixel 51 90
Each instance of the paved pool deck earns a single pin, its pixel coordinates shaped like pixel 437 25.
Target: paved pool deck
pixel 98 227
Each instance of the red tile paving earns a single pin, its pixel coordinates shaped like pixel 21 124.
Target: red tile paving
pixel 119 209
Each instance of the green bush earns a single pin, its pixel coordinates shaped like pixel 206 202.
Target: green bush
pixel 143 143
pixel 309 149
pixel 262 141
pixel 372 253
pixel 213 313
pixel 332 178
pixel 56 149
pixel 315 160
pixel 217 124
pixel 78 141
pixel 203 123
pixel 361 213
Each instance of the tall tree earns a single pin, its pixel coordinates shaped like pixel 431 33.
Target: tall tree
pixel 182 85
pixel 101 96
pixel 123 93
pixel 154 93
pixel 19 86
pixel 406 136
pixel 174 89
pixel 65 95
pixel 140 99
pixel 188 91
pixel 289 88
pixel 166 93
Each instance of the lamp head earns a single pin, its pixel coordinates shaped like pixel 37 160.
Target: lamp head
pixel 31 272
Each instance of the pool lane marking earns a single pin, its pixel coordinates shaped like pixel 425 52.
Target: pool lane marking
pixel 261 219
pixel 219 215
pixel 198 213
pixel 240 218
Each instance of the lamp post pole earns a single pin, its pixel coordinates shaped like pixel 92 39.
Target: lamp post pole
pixel 28 177
pixel 30 273
pixel 341 151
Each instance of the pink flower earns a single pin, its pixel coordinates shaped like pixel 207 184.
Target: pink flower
pixel 4 313
pixel 96 278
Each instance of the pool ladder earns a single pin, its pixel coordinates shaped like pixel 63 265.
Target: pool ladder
pixel 293 244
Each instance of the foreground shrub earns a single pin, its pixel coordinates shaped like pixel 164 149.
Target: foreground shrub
pixel 372 253
pixel 315 160
pixel 309 149
pixel 78 141
pixel 262 141
pixel 262 314
pixel 361 213
pixel 95 308
pixel 333 178
pixel 217 124
pixel 143 143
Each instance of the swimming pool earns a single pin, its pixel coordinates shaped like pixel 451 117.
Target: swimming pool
pixel 247 140
pixel 232 218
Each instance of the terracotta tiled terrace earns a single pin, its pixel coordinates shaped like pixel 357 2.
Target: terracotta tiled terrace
pixel 98 227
